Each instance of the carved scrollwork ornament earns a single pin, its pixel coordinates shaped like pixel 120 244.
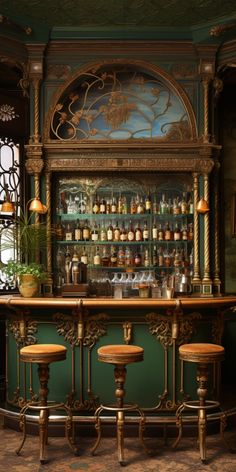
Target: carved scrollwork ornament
pixel 161 327
pixel 187 327
pixel 93 329
pixel 23 331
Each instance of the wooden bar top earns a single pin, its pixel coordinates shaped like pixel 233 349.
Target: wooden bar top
pixel 72 303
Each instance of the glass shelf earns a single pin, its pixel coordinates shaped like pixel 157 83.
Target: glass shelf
pixel 128 216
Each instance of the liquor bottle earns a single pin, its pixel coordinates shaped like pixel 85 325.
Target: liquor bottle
pixel 138 233
pixel 167 258
pixel 191 257
pixel 148 203
pixel 128 257
pixel 113 257
pixel 163 205
pixel 84 256
pixel 133 206
pixel 190 231
pixel 108 206
pixel 103 232
pixel 124 206
pixel 63 202
pixel 110 232
pixel 160 257
pixel 67 266
pixel 145 232
pixel 69 232
pixel 176 207
pixel 167 234
pixel 140 206
pixel 113 206
pixel 137 259
pixel 95 208
pixel 71 205
pixel 86 231
pixel 160 233
pixel 123 233
pixel 59 230
pixel 102 206
pixel 95 232
pixel 190 205
pixel 177 233
pixel 121 257
pixel 97 257
pixel 75 272
pixel 131 232
pixel 78 231
pixel 155 206
pixel 184 231
pixel 146 258
pixel 154 256
pixel 184 205
pixel 117 232
pixel 120 205
pixel 154 231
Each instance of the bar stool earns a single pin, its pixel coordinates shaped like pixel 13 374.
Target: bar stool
pixel 120 356
pixel 202 354
pixel 43 355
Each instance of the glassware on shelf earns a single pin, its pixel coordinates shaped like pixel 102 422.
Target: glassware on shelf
pixel 117 285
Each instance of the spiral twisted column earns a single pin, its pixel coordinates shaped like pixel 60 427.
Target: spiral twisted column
pixel 206 281
pixel 205 83
pixel 196 280
pixel 36 83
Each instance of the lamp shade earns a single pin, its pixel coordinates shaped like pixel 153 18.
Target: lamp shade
pixel 37 206
pixel 202 206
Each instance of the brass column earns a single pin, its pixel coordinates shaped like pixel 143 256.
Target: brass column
pixel 206 281
pixel 196 280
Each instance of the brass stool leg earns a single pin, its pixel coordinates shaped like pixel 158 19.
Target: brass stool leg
pixel 98 428
pixel 43 373
pixel 202 378
pixel 22 423
pixel 120 377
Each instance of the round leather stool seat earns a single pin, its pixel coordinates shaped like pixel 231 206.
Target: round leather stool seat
pixel 120 354
pixel 43 353
pixel 201 352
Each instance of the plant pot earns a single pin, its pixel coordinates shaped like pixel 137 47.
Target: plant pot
pixel 28 285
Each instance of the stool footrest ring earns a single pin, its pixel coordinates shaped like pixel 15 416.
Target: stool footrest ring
pixel 194 404
pixel 126 407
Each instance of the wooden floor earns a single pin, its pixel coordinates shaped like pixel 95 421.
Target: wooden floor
pixel 163 458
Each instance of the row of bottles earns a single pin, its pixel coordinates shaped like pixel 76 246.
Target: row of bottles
pixel 113 232
pixel 124 257
pixel 79 203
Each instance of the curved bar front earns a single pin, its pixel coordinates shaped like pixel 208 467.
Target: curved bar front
pixel 159 326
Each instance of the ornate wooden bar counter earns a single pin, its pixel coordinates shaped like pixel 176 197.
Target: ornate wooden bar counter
pixel 160 326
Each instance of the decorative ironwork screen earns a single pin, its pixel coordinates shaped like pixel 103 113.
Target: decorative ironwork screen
pixel 120 104
pixel 9 184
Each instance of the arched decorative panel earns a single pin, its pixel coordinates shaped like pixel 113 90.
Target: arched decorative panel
pixel 121 101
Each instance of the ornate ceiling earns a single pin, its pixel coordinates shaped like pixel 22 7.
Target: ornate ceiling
pixel 43 15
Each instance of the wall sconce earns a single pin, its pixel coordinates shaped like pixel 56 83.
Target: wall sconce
pixel 202 206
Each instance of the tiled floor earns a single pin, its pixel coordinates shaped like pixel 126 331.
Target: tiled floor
pixel 163 459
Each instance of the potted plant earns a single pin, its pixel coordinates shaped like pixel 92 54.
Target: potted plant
pixel 26 276
pixel 27 241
